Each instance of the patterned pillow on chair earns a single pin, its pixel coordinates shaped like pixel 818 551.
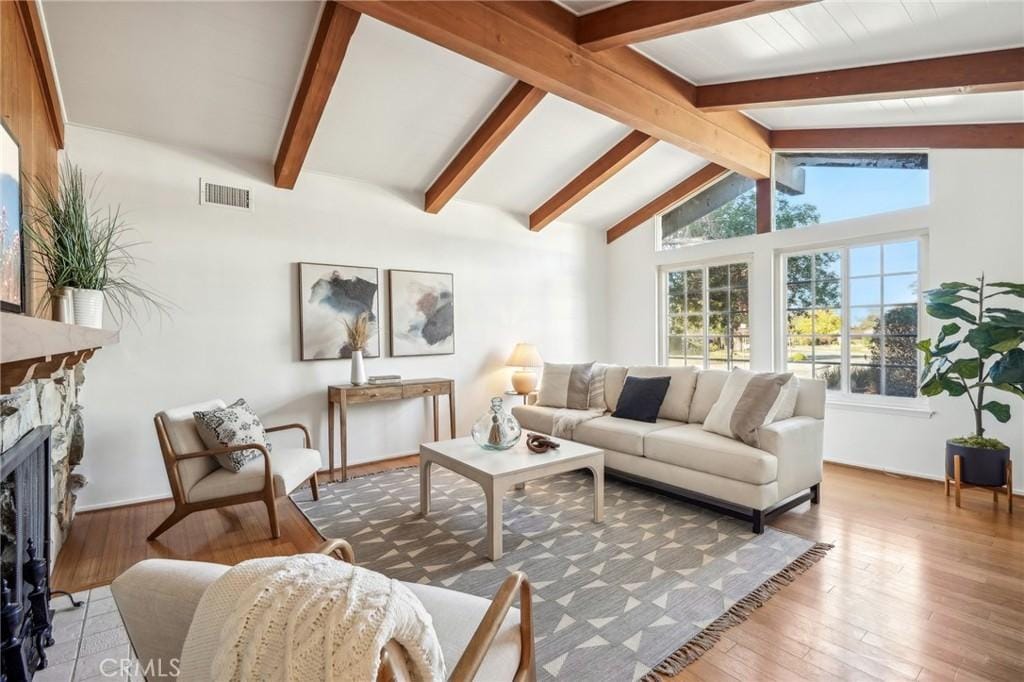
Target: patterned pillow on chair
pixel 235 424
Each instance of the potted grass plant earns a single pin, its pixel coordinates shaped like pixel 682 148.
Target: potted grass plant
pixel 84 252
pixel 993 336
pixel 357 338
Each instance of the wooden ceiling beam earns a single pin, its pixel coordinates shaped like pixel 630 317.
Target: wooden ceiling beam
pixel 640 20
pixel 704 177
pixel 610 163
pixel 32 23
pixel 337 24
pixel 535 42
pixel 998 71
pixel 509 113
pixel 966 136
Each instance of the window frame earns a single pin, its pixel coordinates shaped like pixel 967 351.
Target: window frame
pixel 663 306
pixel 843 394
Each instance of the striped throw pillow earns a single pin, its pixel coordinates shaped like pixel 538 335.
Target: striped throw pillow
pixel 565 386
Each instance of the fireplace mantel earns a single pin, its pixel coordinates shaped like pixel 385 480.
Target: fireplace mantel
pixel 34 348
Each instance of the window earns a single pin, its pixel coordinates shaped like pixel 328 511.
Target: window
pixel 851 317
pixel 812 188
pixel 725 209
pixel 707 316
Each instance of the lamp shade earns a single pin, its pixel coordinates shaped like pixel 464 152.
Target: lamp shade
pixel 524 355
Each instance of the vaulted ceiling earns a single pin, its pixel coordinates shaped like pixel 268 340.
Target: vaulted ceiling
pixel 222 78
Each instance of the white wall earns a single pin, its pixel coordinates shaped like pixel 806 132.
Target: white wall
pixel 235 333
pixel 975 223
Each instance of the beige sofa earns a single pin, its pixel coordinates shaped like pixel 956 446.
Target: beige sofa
pixel 677 455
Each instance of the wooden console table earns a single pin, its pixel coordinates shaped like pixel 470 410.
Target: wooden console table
pixel 340 397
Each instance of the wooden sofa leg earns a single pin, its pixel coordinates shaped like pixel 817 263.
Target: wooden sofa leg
pixel 816 493
pixel 275 528
pixel 174 517
pixel 758 519
pixel 314 487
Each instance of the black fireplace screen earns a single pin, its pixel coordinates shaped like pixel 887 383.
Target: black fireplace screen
pixel 25 549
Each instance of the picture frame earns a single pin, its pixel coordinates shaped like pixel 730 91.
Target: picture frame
pixel 329 296
pixel 13 273
pixel 421 313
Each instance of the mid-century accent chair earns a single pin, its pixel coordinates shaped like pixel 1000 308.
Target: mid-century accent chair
pixel 482 639
pixel 198 482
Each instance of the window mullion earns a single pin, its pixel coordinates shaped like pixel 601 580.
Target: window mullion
pixel 844 329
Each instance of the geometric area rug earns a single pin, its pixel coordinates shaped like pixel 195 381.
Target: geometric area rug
pixel 645 592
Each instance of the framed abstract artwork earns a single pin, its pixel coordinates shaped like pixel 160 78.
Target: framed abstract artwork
pixel 12 248
pixel 329 297
pixel 422 313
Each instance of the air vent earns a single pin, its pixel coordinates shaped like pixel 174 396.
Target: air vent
pixel 225 195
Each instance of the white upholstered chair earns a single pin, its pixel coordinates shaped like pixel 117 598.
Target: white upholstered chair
pixel 198 482
pixel 483 639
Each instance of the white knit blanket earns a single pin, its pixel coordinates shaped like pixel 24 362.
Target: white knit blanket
pixel 304 618
pixel 565 421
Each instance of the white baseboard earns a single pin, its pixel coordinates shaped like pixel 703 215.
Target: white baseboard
pixel 895 472
pixel 121 503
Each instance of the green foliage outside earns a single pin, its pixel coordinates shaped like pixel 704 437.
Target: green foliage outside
pixel 991 333
pixel 738 218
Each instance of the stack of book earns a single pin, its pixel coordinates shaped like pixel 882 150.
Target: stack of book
pixel 385 379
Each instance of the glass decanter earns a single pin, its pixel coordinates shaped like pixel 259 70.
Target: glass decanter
pixel 496 429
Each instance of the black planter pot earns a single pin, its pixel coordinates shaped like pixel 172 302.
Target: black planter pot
pixel 978 466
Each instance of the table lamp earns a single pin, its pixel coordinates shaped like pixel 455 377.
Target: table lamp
pixel 524 356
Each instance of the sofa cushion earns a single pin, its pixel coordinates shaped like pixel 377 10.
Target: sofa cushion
pixel 641 398
pixel 291 466
pixel 680 391
pixel 709 387
pixel 621 435
pixel 691 447
pixel 750 400
pixel 566 386
pixel 456 616
pixel 614 377
pixel 535 417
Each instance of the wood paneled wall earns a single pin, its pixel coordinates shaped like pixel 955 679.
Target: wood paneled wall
pixel 23 106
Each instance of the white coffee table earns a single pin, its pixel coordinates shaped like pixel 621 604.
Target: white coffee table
pixel 496 472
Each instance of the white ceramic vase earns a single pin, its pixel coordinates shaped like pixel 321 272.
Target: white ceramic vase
pixel 88 307
pixel 358 368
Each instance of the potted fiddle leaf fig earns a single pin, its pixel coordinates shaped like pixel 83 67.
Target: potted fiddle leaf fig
pixel 992 336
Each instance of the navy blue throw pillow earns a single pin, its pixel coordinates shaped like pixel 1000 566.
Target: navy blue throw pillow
pixel 641 398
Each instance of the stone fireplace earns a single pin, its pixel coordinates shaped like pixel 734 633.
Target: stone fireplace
pixel 41 384
pixel 53 402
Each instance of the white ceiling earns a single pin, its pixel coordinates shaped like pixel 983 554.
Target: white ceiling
pixel 216 76
pixel 220 77
pixel 548 149
pixel 992 107
pixel 401 108
pixel 835 34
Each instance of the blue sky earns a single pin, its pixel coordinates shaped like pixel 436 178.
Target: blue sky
pixel 843 193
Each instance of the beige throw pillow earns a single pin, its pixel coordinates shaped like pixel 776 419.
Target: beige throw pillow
pixel 748 401
pixel 565 386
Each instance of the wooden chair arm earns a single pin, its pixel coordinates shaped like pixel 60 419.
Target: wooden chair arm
pixel 340 546
pixel 268 473
pixel 284 427
pixel 468 665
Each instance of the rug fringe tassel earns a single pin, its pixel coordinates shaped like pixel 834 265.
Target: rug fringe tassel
pixel 740 611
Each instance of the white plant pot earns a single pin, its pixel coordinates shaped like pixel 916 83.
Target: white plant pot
pixel 88 305
pixel 358 368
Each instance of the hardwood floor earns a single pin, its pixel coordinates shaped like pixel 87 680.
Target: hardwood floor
pixel 914 589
